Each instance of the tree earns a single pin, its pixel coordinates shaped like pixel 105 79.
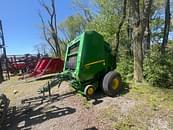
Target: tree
pixel 72 26
pixel 139 24
pixel 50 30
pixel 41 48
pixel 83 7
pixel 157 21
pixel 106 19
pixel 167 24
pixel 129 23
pixel 147 35
pixel 119 27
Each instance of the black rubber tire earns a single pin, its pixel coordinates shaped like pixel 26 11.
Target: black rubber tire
pixel 107 83
pixel 86 90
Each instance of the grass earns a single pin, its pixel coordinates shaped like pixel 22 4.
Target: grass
pixel 138 118
pixel 84 101
pixel 153 109
pixel 153 96
pixel 23 89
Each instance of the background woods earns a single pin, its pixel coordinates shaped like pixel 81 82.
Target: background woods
pixel 139 31
pixel 131 35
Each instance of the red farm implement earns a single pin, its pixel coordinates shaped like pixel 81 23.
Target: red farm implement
pixel 22 63
pixel 46 66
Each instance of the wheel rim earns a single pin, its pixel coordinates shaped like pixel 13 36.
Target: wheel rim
pixel 115 84
pixel 90 91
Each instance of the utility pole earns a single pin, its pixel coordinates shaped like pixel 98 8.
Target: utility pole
pixel 4 60
pixel 1 73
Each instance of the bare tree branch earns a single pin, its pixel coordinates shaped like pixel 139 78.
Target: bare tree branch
pixel 51 30
pixel 44 32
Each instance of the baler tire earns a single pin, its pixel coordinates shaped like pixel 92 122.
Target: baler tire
pixel 88 89
pixel 112 83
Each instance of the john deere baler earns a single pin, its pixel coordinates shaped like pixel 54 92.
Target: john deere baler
pixel 89 65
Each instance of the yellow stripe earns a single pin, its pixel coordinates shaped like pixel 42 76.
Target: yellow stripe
pixel 96 62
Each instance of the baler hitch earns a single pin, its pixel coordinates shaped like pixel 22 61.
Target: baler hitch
pixel 57 80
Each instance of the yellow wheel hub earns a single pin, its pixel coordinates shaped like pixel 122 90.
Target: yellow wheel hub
pixel 90 91
pixel 115 84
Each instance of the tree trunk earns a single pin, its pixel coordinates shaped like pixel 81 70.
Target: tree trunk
pixel 146 39
pixel 130 28
pixel 167 24
pixel 137 52
pixel 137 43
pixel 119 28
pixel 139 26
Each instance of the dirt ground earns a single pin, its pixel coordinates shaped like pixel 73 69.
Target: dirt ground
pixel 68 110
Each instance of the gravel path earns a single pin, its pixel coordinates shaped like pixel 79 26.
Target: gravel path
pixel 67 110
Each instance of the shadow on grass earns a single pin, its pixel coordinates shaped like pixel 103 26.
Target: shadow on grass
pixel 33 111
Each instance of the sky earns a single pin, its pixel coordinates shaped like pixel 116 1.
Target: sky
pixel 21 23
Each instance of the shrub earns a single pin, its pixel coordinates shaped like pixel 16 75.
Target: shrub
pixel 158 67
pixel 125 66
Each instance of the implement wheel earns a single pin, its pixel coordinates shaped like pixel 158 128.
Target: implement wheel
pixel 4 102
pixel 89 90
pixel 112 83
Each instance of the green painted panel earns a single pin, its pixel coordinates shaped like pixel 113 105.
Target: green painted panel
pixel 88 56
